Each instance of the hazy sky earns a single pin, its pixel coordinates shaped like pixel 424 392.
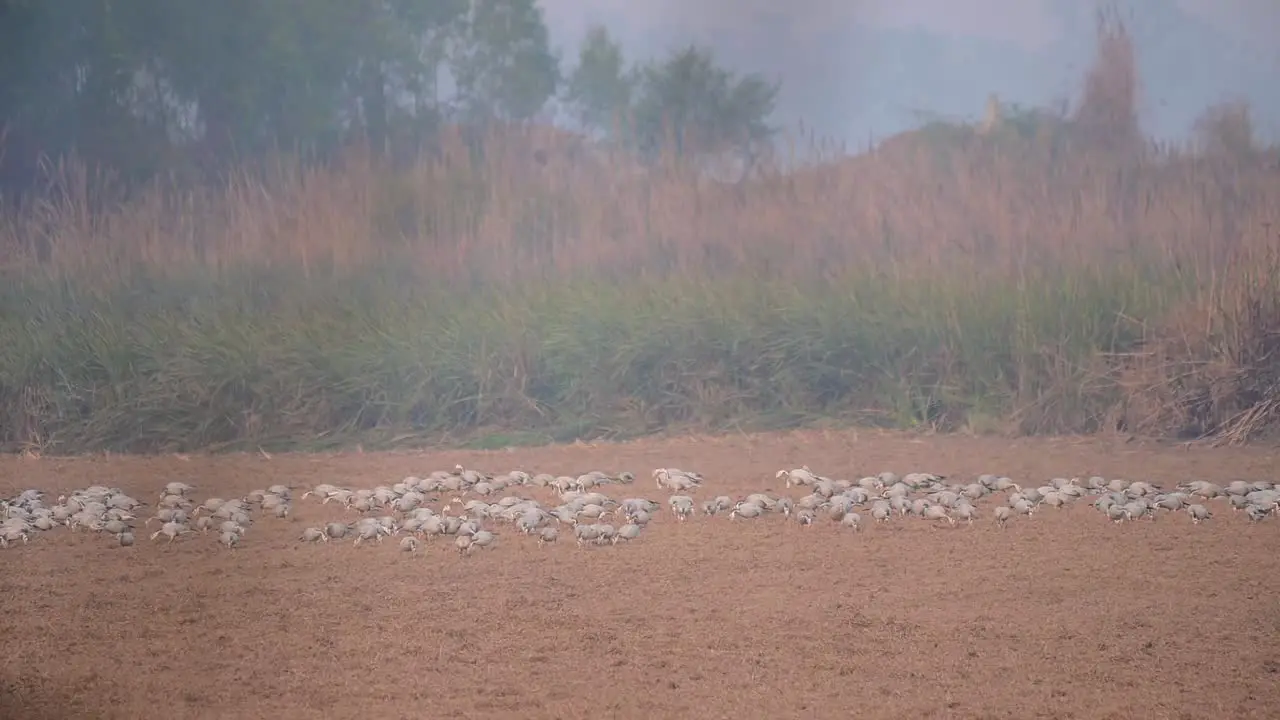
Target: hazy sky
pixel 864 68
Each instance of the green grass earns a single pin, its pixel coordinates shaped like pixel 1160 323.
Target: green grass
pixel 272 360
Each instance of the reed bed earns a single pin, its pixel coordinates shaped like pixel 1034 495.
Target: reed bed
pixel 532 287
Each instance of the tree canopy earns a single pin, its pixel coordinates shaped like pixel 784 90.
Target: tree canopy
pixel 685 102
pixel 141 86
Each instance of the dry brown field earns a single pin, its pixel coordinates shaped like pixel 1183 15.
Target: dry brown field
pixel 1063 615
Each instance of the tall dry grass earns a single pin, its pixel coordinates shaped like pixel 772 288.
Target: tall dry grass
pixel 541 205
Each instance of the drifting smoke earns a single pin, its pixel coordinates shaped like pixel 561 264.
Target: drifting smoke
pixel 860 67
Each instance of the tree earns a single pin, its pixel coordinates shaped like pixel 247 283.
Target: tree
pixel 126 83
pixel 68 75
pixel 291 74
pixel 689 105
pixel 600 88
pixel 502 63
pixel 1108 111
pixel 143 85
pixel 400 49
pixel 1226 131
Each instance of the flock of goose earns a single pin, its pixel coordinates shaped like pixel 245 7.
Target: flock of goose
pixel 405 509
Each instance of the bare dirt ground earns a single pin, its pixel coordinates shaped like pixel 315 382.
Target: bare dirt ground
pixel 1063 615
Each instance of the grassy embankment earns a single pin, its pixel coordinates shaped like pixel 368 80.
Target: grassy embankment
pixel 982 283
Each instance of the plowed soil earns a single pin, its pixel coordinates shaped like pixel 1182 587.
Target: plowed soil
pixel 1063 615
